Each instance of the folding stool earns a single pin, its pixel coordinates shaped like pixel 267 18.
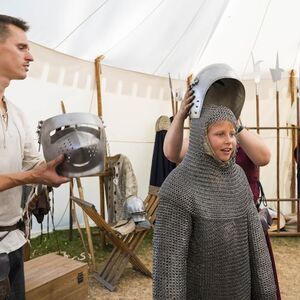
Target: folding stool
pixel 124 247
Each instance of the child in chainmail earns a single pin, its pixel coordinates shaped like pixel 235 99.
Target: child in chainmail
pixel 208 239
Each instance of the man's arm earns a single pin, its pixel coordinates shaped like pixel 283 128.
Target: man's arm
pixel 175 146
pixel 43 174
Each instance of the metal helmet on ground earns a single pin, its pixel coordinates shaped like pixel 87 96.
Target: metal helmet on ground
pixel 217 84
pixel 80 137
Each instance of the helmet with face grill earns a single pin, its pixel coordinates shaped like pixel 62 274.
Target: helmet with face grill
pixel 80 137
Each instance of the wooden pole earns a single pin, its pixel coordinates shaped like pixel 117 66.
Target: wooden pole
pixel 74 217
pixel 172 97
pixel 293 89
pixel 86 221
pixel 257 112
pixel 70 211
pixel 98 72
pixel 298 155
pixel 71 204
pixel 188 83
pixel 278 159
pixel 87 225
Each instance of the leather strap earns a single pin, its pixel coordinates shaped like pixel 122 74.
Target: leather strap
pixel 9 228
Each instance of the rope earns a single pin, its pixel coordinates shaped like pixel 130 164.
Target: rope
pixel 140 23
pixel 180 38
pixel 211 34
pixel 80 24
pixel 256 38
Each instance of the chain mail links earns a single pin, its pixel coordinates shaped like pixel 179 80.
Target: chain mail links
pixel 262 277
pixel 170 250
pixel 208 241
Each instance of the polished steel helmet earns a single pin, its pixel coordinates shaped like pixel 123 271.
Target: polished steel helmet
pixel 217 84
pixel 134 208
pixel 80 137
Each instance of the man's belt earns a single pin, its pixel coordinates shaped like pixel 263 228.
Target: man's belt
pixel 9 228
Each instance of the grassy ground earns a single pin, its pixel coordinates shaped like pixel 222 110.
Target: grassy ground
pixel 59 240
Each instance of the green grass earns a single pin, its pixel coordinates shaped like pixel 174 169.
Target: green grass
pixel 74 248
pixel 59 240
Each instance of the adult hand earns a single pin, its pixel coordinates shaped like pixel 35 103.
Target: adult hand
pixel 186 103
pixel 47 174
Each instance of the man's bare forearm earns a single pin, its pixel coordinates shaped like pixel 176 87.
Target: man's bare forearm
pixel 9 181
pixel 42 174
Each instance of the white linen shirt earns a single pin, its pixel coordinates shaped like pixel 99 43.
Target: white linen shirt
pixel 18 153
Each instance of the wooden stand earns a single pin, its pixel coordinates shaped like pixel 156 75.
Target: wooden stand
pixel 55 277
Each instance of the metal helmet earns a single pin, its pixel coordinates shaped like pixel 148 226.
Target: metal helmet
pixel 134 208
pixel 217 84
pixel 80 137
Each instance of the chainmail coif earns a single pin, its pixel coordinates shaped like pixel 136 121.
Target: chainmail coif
pixel 208 240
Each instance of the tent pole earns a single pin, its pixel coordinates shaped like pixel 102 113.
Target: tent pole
pixel 98 72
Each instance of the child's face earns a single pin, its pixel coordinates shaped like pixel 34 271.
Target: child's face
pixel 221 136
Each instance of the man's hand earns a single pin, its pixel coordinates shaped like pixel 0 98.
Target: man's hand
pixel 186 104
pixel 47 174
pixel 43 174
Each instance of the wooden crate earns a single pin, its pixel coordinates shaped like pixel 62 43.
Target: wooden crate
pixel 55 277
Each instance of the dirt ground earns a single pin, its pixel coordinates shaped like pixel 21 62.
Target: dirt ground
pixel 135 286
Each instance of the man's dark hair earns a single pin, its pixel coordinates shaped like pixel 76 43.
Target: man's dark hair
pixel 8 20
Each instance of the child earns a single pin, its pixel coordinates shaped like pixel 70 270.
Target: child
pixel 208 240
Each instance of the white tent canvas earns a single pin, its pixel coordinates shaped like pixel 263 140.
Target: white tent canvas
pixel 164 36
pixel 142 42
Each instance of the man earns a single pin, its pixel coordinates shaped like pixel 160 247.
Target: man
pixel 20 163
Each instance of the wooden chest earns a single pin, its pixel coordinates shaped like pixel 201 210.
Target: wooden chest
pixel 55 277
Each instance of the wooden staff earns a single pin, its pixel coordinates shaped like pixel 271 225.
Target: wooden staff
pixel 172 97
pixel 86 221
pixel 256 69
pixel 276 76
pixel 278 158
pixel 257 112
